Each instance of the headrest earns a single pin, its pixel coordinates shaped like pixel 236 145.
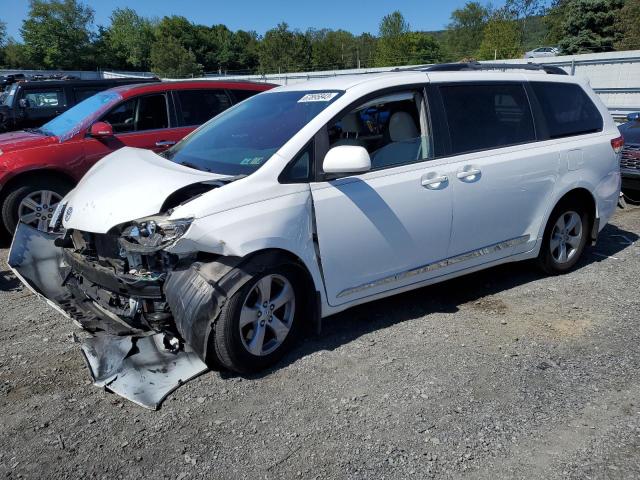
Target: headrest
pixel 402 127
pixel 351 123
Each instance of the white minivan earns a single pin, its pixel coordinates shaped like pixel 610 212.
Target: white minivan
pixel 311 198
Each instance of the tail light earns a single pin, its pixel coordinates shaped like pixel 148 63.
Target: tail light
pixel 617 144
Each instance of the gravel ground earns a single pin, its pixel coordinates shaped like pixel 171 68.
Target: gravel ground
pixel 501 374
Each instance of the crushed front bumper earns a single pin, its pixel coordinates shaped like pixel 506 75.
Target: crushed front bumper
pixel 137 366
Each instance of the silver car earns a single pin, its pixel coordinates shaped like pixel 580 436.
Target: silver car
pixel 542 52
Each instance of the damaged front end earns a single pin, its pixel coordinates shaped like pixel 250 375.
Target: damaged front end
pixel 112 286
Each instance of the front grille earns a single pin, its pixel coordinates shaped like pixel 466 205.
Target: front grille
pixel 630 157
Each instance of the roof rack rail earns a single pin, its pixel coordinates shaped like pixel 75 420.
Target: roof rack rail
pixel 477 66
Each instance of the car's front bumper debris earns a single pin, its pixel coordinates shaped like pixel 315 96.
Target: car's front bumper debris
pixel 135 365
pixel 140 369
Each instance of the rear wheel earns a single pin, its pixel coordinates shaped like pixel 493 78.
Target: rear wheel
pixel 33 202
pixel 260 322
pixel 565 238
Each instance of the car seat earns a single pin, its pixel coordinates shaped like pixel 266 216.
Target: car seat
pixel 405 142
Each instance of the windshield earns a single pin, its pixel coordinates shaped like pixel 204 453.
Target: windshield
pixel 243 138
pixel 9 93
pixel 79 117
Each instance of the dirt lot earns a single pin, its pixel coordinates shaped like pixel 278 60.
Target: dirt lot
pixel 502 374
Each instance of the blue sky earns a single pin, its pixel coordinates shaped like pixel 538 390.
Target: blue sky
pixel 260 15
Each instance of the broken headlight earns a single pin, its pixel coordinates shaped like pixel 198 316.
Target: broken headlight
pixel 152 234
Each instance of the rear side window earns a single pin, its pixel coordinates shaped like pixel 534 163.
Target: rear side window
pixel 198 106
pixel 567 109
pixel 487 116
pixel 45 98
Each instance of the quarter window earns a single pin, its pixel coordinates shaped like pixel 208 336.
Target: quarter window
pixel 198 106
pixel 487 116
pixel 300 169
pixel 389 127
pixel 567 109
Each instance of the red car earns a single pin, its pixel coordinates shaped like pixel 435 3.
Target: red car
pixel 39 166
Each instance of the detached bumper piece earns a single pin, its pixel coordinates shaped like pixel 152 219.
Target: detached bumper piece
pixel 139 369
pixel 135 366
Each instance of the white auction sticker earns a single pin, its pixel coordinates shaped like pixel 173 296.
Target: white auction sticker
pixel 318 97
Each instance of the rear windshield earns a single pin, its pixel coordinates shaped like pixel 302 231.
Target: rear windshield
pixel 567 109
pixel 243 138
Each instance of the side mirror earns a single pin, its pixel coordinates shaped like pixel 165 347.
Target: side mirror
pixel 101 130
pixel 633 117
pixel 347 159
pixel 23 103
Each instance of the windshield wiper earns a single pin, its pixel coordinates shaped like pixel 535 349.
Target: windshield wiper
pixel 37 130
pixel 194 166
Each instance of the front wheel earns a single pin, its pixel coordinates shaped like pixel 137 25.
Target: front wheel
pixel 260 322
pixel 565 238
pixel 33 202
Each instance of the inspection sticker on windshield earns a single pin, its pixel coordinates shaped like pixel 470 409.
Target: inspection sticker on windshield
pixel 318 97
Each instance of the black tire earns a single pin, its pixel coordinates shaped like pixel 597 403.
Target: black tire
pixel 20 191
pixel 546 260
pixel 632 197
pixel 230 351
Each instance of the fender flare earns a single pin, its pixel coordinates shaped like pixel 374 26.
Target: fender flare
pixel 197 293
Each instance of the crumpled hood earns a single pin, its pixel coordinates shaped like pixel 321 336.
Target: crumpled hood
pixel 128 184
pixel 19 140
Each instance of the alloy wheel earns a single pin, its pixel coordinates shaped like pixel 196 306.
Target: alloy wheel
pixel 267 315
pixel 36 209
pixel 566 237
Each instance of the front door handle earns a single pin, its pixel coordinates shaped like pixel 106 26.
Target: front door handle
pixel 434 183
pixel 471 174
pixel 165 143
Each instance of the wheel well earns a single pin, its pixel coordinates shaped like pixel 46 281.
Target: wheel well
pixel 312 301
pixel 583 197
pixel 285 255
pixel 34 174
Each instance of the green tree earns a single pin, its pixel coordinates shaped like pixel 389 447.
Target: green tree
pixel 169 58
pixel 245 51
pixel 524 11
pixel 590 26
pixel 3 38
pixel 283 50
pixel 15 55
pixel 501 38
pixel 57 34
pixel 464 32
pixel 628 19
pixel 423 48
pixel 365 45
pixel 393 45
pixel 332 49
pixel 129 38
pixel 553 20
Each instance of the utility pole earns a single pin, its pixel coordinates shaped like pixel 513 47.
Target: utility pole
pixel 358 56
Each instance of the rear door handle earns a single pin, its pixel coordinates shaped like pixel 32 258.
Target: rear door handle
pixel 434 183
pixel 470 174
pixel 165 143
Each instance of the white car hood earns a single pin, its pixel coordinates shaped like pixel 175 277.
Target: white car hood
pixel 128 184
